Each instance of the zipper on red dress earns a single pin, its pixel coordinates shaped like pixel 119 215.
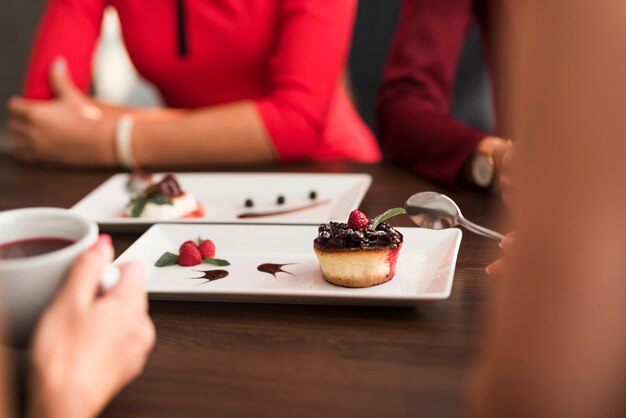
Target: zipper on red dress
pixel 181 27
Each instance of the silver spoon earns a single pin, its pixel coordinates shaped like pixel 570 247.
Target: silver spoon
pixel 437 211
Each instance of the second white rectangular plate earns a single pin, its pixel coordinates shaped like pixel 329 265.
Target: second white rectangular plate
pixel 223 195
pixel 425 268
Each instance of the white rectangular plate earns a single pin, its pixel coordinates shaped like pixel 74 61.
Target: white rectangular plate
pixel 223 195
pixel 425 268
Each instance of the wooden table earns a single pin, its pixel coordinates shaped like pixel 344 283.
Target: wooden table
pixel 255 360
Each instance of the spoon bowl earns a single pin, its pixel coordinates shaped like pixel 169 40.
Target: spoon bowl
pixel 432 210
pixel 437 211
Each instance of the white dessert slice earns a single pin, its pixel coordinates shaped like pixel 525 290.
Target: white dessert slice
pixel 182 206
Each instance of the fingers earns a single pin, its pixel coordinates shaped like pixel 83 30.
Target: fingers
pixel 508 200
pixel 507 177
pixel 139 346
pixel 131 295
pixel 22 108
pixel 60 80
pixel 19 127
pixel 131 288
pixel 22 145
pixel 22 149
pixel 496 268
pixel 507 243
pixel 84 280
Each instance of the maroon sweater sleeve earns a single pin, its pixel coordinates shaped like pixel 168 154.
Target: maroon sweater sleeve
pixel 415 99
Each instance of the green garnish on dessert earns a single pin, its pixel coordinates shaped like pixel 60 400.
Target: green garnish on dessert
pixel 163 200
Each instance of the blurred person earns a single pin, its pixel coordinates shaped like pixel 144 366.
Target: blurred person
pixel 87 346
pixel 4 387
pixel 245 82
pixel 556 338
pixel 413 107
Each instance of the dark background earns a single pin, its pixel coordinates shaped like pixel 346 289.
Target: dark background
pixel 373 32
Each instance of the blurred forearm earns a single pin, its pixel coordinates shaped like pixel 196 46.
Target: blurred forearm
pixel 556 345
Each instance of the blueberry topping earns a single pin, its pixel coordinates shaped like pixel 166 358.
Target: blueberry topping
pixel 280 200
pixel 356 236
pixel 249 203
pixel 339 235
pixel 323 227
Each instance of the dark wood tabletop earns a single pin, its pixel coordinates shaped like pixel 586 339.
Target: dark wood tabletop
pixel 258 360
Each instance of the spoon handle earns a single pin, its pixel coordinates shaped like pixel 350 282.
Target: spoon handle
pixel 481 230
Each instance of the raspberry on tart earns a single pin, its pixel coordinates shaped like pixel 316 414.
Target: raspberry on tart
pixel 164 200
pixel 357 253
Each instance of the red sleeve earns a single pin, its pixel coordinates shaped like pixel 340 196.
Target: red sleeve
pixel 68 28
pixel 414 102
pixel 310 54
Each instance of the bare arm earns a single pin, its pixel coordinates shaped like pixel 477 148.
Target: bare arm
pixel 227 134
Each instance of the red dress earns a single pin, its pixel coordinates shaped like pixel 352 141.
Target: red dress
pixel 285 55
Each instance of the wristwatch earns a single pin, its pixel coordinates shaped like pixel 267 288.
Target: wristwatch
pixel 483 164
pixel 483 169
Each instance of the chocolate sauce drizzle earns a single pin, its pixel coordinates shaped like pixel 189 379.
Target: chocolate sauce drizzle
pixel 247 215
pixel 274 269
pixel 210 275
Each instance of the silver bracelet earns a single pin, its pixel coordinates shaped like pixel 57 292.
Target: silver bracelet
pixel 123 141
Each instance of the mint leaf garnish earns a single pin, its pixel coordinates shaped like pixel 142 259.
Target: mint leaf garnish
pixel 167 259
pixel 386 215
pixel 160 199
pixel 216 262
pixel 137 204
pixel 139 201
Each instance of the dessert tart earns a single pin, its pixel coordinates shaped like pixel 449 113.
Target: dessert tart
pixel 164 200
pixel 359 253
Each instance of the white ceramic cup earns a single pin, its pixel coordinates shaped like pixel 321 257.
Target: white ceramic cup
pixel 28 284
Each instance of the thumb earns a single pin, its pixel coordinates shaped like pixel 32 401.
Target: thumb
pixel 60 80
pixel 84 279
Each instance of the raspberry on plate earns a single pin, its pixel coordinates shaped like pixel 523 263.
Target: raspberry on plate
pixel 188 243
pixel 189 254
pixel 207 248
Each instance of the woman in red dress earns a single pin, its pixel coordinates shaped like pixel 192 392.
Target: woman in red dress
pixel 244 81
